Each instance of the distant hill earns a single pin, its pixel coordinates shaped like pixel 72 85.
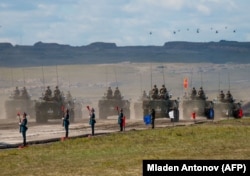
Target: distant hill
pixel 99 52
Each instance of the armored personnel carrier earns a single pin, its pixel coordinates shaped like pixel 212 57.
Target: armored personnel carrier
pixel 109 102
pixel 52 107
pixel 162 103
pixel 199 104
pixel 225 106
pixel 19 101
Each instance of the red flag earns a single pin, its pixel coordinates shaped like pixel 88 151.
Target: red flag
pixel 240 113
pixel 124 121
pixel 88 107
pixel 185 83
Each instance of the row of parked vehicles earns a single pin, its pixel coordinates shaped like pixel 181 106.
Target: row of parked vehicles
pixel 53 105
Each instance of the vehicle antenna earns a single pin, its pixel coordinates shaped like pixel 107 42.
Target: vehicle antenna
pixel 201 80
pixel 163 75
pixel 23 78
pixel 56 76
pixel 115 77
pixel 11 77
pixel 69 80
pixel 219 81
pixel 43 79
pixel 151 75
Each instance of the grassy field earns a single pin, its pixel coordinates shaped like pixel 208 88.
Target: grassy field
pixel 122 153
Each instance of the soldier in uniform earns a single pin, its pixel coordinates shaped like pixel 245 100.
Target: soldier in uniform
pixel 194 93
pixel 117 93
pixel 23 128
pixel 120 119
pixel 109 93
pixel 153 118
pixel 57 93
pixel 25 93
pixel 16 93
pixel 155 92
pixel 222 95
pixel 229 96
pixel 92 120
pixel 66 123
pixel 48 93
pixel 201 93
pixel 163 91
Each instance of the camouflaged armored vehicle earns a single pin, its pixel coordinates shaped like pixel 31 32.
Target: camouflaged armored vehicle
pixel 109 103
pixel 162 103
pixel 199 104
pixel 225 106
pixel 52 107
pixel 19 102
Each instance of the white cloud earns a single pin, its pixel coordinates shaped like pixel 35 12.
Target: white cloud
pixel 79 22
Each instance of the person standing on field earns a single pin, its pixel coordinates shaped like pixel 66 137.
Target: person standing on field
pixel 66 123
pixel 92 120
pixel 120 119
pixel 23 128
pixel 153 118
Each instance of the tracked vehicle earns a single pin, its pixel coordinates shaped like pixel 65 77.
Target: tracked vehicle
pixel 227 107
pixel 199 104
pixel 162 103
pixel 52 107
pixel 19 102
pixel 109 103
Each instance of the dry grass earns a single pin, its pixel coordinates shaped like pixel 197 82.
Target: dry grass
pixel 122 153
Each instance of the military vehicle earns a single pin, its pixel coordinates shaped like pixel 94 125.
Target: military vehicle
pixel 52 107
pixel 162 104
pixel 227 107
pixel 199 104
pixel 246 109
pixel 109 103
pixel 19 102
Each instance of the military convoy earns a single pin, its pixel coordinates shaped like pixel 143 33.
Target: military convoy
pixel 197 103
pixel 225 106
pixel 53 107
pixel 110 103
pixel 19 101
pixel 161 102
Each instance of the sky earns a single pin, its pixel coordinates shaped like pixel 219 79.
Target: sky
pixel 124 22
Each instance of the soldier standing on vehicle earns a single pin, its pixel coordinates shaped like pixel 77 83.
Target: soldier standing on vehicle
pixel 16 93
pixel 57 93
pixel 48 94
pixel 201 93
pixel 109 93
pixel 155 92
pixel 25 93
pixel 222 95
pixel 117 93
pixel 153 118
pixel 194 93
pixel 23 128
pixel 120 119
pixel 229 96
pixel 66 123
pixel 163 91
pixel 92 120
